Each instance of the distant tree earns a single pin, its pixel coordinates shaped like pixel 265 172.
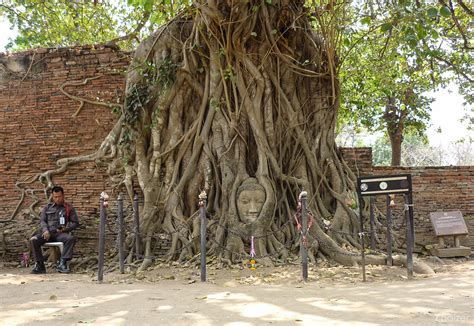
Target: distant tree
pixel 462 152
pixel 416 151
pixel 351 136
pixel 398 52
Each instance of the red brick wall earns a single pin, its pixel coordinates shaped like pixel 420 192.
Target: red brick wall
pixel 359 159
pixel 37 129
pixel 435 189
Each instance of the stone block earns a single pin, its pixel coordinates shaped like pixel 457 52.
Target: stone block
pixel 451 252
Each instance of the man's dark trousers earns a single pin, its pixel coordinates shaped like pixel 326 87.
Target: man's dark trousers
pixel 67 239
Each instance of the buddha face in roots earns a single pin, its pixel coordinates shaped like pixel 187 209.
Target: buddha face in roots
pixel 250 199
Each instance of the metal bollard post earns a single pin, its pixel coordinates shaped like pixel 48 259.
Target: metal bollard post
pixel 372 223
pixel 304 232
pixel 136 221
pixel 100 275
pixel 120 233
pixel 389 233
pixel 202 211
pixel 410 233
pixel 361 217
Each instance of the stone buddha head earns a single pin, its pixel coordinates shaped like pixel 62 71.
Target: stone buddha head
pixel 250 199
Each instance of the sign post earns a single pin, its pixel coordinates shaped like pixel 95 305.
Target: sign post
pixel 362 250
pixel 389 233
pixel 202 212
pixel 136 222
pixel 120 233
pixel 372 223
pixel 304 232
pixel 410 233
pixel 103 217
pixel 387 185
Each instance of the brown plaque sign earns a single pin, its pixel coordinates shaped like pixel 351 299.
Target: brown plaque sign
pixel 448 223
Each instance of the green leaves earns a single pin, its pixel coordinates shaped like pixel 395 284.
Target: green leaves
pixel 385 27
pixel 420 31
pixel 64 22
pixel 411 37
pixel 432 12
pixel 366 20
pixel 146 4
pixel 444 11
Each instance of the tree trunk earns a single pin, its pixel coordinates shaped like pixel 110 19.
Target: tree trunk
pixel 396 146
pixel 395 121
pixel 239 100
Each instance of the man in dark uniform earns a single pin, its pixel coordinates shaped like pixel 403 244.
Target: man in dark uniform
pixel 57 220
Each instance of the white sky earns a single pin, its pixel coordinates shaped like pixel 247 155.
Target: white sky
pixel 446 113
pixel 5 33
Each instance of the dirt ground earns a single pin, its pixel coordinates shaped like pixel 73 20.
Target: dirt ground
pixel 171 295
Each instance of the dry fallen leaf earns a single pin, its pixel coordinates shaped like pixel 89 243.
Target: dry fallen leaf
pixel 156 299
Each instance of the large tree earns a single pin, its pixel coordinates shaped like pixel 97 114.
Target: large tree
pixel 225 92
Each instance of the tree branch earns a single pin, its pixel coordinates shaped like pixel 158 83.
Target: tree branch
pixel 84 100
pixel 134 33
pixel 456 22
pixel 466 9
pixel 455 68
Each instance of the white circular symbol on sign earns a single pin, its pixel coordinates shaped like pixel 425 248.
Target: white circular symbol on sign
pixel 364 187
pixel 383 185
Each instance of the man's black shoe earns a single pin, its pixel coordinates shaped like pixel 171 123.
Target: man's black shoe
pixel 39 268
pixel 62 268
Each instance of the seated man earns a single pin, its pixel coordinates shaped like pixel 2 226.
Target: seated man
pixel 57 220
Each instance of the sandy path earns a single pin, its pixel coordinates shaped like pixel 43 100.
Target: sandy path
pixel 446 298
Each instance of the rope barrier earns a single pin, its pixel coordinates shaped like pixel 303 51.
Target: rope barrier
pixel 131 230
pixel 285 246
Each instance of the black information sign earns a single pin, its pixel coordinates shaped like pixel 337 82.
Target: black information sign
pixel 386 185
pixel 379 185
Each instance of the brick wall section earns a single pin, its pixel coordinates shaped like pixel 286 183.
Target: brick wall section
pixel 437 189
pixel 359 159
pixel 37 129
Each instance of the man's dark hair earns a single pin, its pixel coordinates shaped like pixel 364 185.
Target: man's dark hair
pixel 58 189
